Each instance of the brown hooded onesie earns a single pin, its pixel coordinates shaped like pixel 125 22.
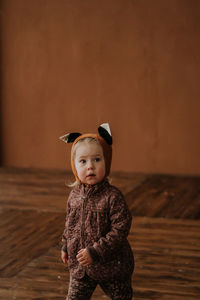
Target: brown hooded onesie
pixel 98 219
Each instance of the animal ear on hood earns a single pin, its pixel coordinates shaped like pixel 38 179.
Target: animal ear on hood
pixel 105 133
pixel 70 137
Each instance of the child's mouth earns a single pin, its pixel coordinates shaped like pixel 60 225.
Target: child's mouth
pixel 90 175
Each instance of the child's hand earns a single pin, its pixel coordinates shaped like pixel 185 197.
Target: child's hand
pixel 64 257
pixel 84 257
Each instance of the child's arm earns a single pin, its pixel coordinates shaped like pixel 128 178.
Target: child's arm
pixel 64 255
pixel 120 218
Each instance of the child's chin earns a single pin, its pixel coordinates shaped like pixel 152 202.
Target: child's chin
pixel 92 181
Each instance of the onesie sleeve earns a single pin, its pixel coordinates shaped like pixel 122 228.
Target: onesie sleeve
pixel 64 235
pixel 120 223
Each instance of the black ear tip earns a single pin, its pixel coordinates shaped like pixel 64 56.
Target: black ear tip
pixel 70 137
pixel 73 136
pixel 105 135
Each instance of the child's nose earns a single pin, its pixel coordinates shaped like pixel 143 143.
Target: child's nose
pixel 90 165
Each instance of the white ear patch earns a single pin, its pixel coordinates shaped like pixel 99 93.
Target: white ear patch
pixel 65 137
pixel 105 133
pixel 106 127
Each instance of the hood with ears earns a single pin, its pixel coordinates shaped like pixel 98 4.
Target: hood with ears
pixel 104 137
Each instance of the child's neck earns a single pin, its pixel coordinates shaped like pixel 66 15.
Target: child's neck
pixel 89 186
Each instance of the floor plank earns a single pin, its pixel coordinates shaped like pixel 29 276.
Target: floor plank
pixel 26 237
pixel 165 267
pixel 167 257
pixel 166 196
pixel 165 234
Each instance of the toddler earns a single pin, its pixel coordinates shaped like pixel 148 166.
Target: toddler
pixel 95 245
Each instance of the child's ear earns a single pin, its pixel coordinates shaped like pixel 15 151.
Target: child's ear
pixel 105 133
pixel 70 137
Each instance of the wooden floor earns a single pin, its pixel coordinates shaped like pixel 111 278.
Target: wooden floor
pixel 165 234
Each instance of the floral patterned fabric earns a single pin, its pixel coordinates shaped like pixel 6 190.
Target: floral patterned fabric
pixel 98 219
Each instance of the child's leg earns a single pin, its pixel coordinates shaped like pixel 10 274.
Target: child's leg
pixel 81 289
pixel 118 290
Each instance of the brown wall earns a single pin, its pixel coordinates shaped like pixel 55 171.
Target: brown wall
pixel 69 65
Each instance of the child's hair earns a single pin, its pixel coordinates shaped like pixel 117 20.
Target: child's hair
pixel 73 153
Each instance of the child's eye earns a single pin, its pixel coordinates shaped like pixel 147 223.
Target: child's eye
pixel 82 161
pixel 97 159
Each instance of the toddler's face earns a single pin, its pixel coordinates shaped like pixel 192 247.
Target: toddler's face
pixel 89 162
